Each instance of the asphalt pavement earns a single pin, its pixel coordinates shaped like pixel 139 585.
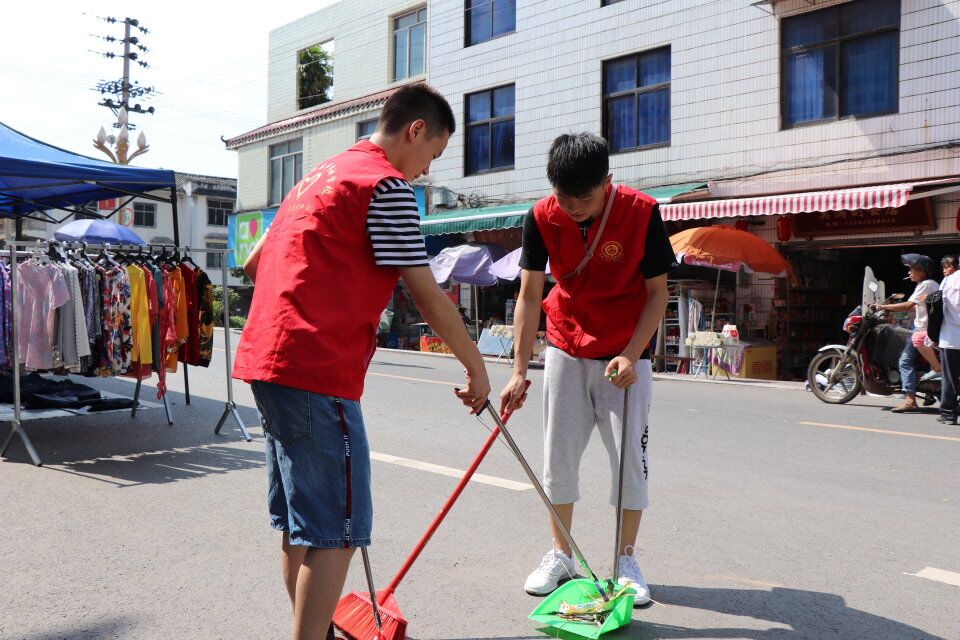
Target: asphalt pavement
pixel 773 516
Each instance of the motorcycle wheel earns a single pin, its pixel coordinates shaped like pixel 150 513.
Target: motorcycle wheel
pixel 818 373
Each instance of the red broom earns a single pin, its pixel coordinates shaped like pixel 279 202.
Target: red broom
pixel 355 613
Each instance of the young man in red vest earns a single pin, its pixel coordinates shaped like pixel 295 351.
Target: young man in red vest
pixel 610 255
pixel 338 245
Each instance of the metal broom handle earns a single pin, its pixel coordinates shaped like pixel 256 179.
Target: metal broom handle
pixel 543 495
pixel 373 593
pixel 623 456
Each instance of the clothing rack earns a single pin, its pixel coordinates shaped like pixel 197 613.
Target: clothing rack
pixel 16 250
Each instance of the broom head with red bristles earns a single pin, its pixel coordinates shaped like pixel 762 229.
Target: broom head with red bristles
pixel 354 617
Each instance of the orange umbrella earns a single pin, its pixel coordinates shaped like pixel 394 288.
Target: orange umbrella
pixel 726 248
pixel 723 247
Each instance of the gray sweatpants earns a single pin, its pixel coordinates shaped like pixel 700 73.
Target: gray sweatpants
pixel 576 398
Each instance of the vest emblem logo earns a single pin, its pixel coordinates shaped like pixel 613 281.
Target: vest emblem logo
pixel 306 183
pixel 611 251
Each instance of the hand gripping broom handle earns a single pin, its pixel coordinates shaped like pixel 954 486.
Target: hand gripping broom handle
pixel 543 496
pixel 464 481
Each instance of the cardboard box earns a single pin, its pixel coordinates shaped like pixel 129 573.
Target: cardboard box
pixel 759 362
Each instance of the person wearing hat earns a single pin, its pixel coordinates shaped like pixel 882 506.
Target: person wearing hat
pixel 922 271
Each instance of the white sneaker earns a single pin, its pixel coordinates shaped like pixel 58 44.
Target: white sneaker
pixel 629 575
pixel 556 567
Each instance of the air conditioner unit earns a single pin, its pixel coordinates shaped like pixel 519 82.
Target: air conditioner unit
pixel 443 198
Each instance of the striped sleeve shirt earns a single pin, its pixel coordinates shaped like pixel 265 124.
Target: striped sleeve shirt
pixel 393 224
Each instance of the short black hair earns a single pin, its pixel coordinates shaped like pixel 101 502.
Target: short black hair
pixel 950 261
pixel 413 102
pixel 578 163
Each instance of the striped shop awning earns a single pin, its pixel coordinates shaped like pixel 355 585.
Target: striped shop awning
pixel 881 196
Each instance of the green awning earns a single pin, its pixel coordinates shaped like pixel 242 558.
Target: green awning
pixel 508 216
pixel 665 194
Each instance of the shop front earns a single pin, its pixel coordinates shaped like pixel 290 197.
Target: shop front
pixel 829 238
pixel 482 307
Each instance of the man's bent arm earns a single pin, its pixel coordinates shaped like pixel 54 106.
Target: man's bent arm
pixel 526 318
pixel 649 322
pixel 253 259
pixel 439 312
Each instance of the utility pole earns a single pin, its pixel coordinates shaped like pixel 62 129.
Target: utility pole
pixel 123 90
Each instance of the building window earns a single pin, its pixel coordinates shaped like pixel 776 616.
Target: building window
pixel 366 128
pixel 286 168
pixel 215 260
pixel 144 214
pixel 636 100
pixel 315 75
pixel 841 61
pixel 218 211
pixel 490 130
pixel 604 3
pixel 486 19
pixel 409 44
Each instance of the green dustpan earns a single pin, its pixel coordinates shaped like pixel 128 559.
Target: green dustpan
pixel 619 611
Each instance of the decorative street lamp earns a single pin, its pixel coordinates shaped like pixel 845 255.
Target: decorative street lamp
pixel 120 142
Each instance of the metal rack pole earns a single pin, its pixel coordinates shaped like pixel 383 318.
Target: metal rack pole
pixel 231 407
pixel 16 426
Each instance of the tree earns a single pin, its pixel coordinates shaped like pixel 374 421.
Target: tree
pixel 314 76
pixel 238 272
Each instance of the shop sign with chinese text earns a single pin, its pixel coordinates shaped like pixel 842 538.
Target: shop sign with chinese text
pixel 916 215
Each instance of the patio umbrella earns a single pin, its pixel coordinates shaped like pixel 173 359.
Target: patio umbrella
pixel 469 264
pixel 97 232
pixel 725 248
pixel 508 267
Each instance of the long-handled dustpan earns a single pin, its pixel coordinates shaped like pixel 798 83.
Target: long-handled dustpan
pixel 376 616
pixel 583 606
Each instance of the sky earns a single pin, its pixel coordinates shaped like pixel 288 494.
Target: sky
pixel 208 63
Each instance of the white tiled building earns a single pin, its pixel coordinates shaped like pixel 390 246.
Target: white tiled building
pixel 701 100
pixel 724 99
pixel 724 84
pixel 367 65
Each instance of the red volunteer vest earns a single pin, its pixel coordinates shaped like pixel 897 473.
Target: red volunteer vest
pixel 317 302
pixel 593 314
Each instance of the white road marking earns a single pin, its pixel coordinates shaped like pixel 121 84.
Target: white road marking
pixel 395 377
pixel 938 575
pixel 887 432
pixel 448 471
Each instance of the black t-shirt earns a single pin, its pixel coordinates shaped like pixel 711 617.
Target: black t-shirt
pixel 658 256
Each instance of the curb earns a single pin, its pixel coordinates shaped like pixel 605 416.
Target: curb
pixel 780 385
pixel 428 354
pixel 747 382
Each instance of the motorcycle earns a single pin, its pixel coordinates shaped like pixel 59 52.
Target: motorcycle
pixel 868 363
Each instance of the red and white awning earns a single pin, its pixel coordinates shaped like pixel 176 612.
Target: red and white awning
pixel 881 196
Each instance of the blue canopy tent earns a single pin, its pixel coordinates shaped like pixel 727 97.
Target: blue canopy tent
pixel 37 178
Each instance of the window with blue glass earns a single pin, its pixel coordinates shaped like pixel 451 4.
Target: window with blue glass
pixel 409 44
pixel 489 137
pixel 486 19
pixel 841 61
pixel 636 100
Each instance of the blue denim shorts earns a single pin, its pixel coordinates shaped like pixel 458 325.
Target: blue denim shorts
pixel 318 467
